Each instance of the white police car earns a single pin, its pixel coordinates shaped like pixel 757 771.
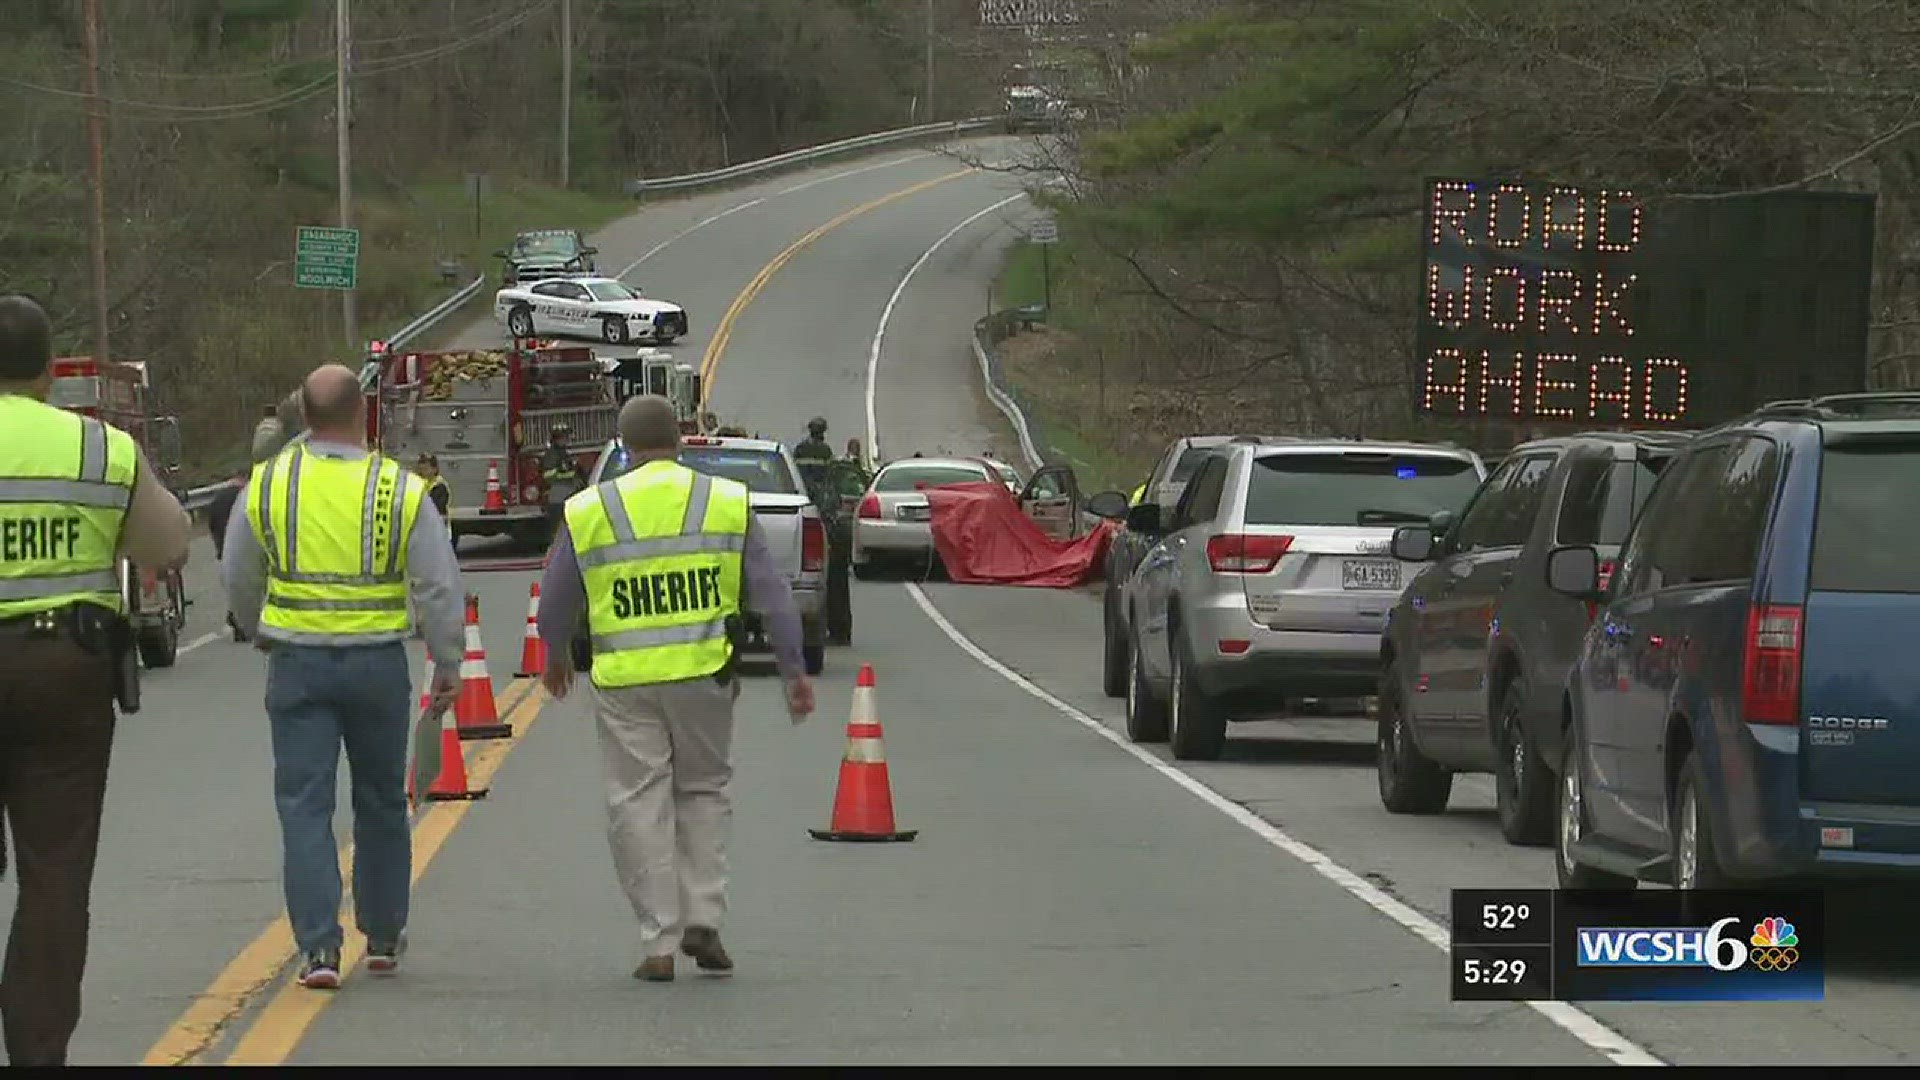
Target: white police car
pixel 600 307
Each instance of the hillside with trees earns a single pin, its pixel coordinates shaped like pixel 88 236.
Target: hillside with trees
pixel 1240 248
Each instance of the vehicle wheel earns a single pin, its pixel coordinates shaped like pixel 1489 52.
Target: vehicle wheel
pixel 1410 782
pixel 1572 825
pixel 1523 785
pixel 613 330
pixel 815 657
pixel 159 646
pixel 1146 717
pixel 1196 727
pixel 1696 858
pixel 1113 659
pixel 520 322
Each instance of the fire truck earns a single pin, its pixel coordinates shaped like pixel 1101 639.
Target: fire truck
pixel 486 415
pixel 120 394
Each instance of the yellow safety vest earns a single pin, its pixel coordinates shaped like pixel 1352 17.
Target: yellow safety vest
pixel 661 551
pixel 1138 494
pixel 336 535
pixel 65 483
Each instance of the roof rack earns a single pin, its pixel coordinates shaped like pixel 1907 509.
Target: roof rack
pixel 1862 406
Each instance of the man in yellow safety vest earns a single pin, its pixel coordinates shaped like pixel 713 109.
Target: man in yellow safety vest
pixel 660 560
pixel 326 547
pixel 76 494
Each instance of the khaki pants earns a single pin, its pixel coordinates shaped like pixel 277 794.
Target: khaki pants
pixel 664 752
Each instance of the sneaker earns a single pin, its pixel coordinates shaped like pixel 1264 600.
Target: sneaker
pixel 383 958
pixel 322 970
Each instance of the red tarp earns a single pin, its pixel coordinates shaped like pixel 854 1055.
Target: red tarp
pixel 984 539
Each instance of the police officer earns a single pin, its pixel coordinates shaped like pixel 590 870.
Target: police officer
pixel 814 447
pixel 660 559
pixel 322 548
pixel 562 474
pixel 75 493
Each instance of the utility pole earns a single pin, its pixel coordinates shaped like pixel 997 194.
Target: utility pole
pixel 343 123
pixel 566 92
pixel 96 177
pixel 929 61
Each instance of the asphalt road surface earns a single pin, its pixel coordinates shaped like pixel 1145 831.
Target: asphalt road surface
pixel 1070 898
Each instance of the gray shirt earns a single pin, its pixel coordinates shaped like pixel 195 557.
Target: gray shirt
pixel 432 570
pixel 563 598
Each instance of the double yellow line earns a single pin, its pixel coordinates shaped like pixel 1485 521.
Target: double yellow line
pixel 723 332
pixel 284 1020
pixel 280 1025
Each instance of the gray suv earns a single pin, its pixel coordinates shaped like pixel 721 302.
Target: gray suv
pixel 1271 579
pixel 1475 657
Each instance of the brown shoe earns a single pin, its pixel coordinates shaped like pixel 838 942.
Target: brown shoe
pixel 655 969
pixel 703 944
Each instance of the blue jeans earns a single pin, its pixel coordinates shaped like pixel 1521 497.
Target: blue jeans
pixel 319 697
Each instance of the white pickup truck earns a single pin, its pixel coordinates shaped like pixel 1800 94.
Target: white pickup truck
pixel 788 520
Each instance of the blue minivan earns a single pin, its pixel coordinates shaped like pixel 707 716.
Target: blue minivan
pixel 1745 705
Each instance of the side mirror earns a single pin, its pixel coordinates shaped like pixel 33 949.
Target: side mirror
pixel 1574 570
pixel 1413 543
pixel 1144 518
pixel 590 251
pixel 1441 522
pixel 501 254
pixel 1108 504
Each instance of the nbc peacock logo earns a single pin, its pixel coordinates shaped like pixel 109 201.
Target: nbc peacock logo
pixel 1775 944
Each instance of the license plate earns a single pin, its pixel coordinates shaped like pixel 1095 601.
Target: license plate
pixel 915 513
pixel 1369 574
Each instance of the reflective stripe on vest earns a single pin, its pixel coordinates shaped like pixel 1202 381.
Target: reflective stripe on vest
pixel 660 552
pixel 335 532
pixel 65 484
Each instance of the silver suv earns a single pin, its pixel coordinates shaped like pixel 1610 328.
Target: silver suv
pixel 1272 578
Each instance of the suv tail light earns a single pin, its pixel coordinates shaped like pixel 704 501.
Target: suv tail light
pixel 813 545
pixel 1770 687
pixel 869 507
pixel 1240 553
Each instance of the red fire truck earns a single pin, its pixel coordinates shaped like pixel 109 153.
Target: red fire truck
pixel 490 412
pixel 120 394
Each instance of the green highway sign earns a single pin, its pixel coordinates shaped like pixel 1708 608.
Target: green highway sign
pixel 326 258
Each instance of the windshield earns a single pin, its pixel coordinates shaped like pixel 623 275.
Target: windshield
pixel 611 290
pixel 912 477
pixel 1355 489
pixel 557 244
pixel 1869 511
pixel 763 471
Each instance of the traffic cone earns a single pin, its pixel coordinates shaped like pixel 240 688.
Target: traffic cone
pixel 474 713
pixel 533 652
pixel 451 783
pixel 863 802
pixel 496 500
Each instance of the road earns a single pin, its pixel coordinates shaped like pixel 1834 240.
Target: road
pixel 1070 898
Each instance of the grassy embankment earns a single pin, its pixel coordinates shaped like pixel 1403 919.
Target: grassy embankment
pixel 1056 371
pixel 404 236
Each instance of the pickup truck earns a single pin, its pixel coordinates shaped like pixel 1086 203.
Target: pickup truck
pixel 789 521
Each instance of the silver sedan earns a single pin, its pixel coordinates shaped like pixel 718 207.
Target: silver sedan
pixel 894 520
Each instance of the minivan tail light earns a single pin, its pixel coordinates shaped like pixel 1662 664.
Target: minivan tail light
pixel 813 545
pixel 1241 553
pixel 1770 685
pixel 869 507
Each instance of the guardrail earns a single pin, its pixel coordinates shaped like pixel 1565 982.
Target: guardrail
pixel 806 155
pixel 987 334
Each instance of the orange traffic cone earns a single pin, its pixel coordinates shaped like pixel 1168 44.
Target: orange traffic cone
pixel 474 712
pixel 863 802
pixel 496 500
pixel 451 783
pixel 533 653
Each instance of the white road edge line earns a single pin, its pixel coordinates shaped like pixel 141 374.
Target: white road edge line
pixel 203 639
pixel 731 210
pixel 1590 1031
pixel 886 316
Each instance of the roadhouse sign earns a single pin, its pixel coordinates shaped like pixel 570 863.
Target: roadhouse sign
pixel 1588 305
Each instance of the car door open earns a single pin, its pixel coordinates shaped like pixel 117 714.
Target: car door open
pixel 1052 500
